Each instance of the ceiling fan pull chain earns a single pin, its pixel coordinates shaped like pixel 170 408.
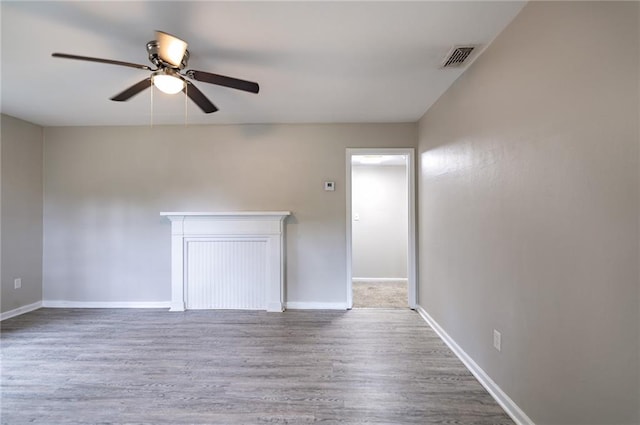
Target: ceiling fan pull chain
pixel 186 87
pixel 151 106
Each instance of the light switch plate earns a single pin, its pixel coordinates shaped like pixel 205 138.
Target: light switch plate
pixel 329 186
pixel 497 340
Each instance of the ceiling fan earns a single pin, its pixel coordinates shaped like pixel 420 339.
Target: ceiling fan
pixel 170 56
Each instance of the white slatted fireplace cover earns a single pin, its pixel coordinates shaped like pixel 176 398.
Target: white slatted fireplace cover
pixel 227 260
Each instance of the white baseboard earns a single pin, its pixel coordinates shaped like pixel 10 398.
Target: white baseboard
pixel 20 310
pixel 295 305
pixel 107 304
pixel 379 279
pixel 509 406
pixel 167 304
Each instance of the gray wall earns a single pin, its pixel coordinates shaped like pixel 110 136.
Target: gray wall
pixel 21 212
pixel 105 186
pixel 529 193
pixel 379 244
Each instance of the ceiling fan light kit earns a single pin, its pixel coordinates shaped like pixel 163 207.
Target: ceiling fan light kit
pixel 170 56
pixel 167 82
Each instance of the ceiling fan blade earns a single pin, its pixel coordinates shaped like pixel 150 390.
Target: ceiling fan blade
pixel 170 48
pixel 109 61
pixel 222 80
pixel 133 90
pixel 199 98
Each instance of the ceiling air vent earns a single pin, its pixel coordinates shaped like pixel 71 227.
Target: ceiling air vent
pixel 458 56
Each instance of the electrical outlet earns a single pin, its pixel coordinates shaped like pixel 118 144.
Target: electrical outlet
pixel 17 283
pixel 497 340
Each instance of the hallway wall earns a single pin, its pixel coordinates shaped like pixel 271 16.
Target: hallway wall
pixel 379 198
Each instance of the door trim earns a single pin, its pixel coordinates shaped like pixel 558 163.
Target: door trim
pixel 411 237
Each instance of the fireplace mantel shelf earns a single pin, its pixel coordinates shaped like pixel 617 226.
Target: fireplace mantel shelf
pixel 226 214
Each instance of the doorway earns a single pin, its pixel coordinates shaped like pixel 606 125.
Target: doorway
pixel 381 263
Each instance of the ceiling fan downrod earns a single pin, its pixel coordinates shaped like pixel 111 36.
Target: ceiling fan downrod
pixel 154 57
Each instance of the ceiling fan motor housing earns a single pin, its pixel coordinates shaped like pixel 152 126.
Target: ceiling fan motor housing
pixel 154 57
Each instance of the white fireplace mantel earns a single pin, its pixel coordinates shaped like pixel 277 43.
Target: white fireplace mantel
pixel 200 238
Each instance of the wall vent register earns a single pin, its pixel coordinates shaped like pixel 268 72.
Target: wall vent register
pixel 458 56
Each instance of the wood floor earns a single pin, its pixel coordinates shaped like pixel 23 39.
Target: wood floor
pixel 62 366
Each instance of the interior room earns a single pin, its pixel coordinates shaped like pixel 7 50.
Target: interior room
pixel 188 258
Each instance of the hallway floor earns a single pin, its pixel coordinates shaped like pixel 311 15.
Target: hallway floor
pixel 380 294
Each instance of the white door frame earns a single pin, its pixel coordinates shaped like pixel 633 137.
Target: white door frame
pixel 411 237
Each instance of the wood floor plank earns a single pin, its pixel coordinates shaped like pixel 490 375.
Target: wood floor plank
pixel 83 366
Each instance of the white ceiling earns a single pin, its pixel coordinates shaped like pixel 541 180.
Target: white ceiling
pixel 315 61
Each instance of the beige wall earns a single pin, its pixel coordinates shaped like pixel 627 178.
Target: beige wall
pixel 529 192
pixel 21 212
pixel 105 187
pixel 379 197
